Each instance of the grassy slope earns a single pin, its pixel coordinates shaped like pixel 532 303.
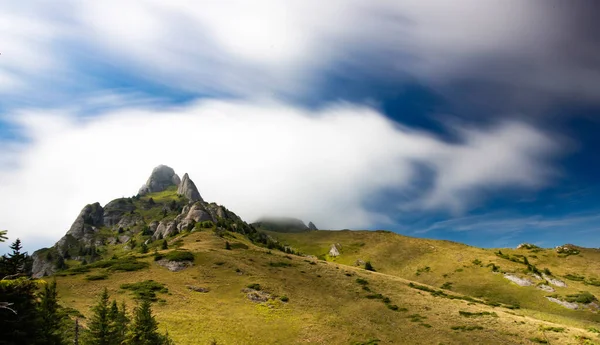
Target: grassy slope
pixel 453 262
pixel 326 305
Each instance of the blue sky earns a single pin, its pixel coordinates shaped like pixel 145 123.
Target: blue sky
pixel 474 121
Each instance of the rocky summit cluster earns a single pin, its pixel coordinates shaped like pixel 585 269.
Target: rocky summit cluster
pixel 122 218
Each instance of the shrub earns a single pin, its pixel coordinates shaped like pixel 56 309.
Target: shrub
pixel 539 340
pixel 466 328
pixel 369 266
pixel 447 286
pixel 227 245
pixel 423 269
pixel 146 289
pixel 179 256
pixel 469 314
pixel 254 286
pixel 547 272
pixel 280 264
pixel 362 281
pixel 477 262
pixel 574 277
pixel 126 264
pixel 582 297
pixel 393 307
pixel 143 248
pixel 284 299
pixel 94 277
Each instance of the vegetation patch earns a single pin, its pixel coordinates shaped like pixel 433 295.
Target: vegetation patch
pixel 179 256
pixel 416 318
pixel 466 328
pixel 484 313
pixel 94 277
pixel 583 297
pixel 574 277
pixel 280 264
pixel 539 340
pixel 361 281
pixel 552 329
pixel 127 264
pixel 423 270
pixel 146 289
pixel 254 286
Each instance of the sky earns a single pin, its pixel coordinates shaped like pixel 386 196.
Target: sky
pixel 472 121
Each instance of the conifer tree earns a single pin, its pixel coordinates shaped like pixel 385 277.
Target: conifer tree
pixel 15 262
pixel 164 245
pixel 50 316
pixel 99 332
pixel 144 328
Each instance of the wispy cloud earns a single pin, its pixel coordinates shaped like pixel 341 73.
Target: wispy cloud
pixel 256 158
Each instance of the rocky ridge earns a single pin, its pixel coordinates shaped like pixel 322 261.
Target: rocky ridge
pixel 124 218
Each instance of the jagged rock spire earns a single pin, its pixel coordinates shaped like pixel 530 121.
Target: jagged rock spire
pixel 161 178
pixel 188 189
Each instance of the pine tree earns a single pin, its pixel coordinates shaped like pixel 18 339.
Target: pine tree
pixel 144 329
pixel 99 332
pixel 164 245
pixel 15 262
pixel 51 318
pixel 143 248
pixel 118 323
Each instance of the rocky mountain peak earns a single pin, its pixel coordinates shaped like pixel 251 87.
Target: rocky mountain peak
pixel 161 178
pixel 188 189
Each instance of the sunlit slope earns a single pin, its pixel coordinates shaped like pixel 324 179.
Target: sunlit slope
pixel 463 268
pixel 326 304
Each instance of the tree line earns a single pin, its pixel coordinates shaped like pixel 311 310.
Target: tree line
pixel 31 314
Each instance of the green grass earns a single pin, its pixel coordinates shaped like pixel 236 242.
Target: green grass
pixel 326 301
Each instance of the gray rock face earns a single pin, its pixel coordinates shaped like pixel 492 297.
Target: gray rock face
pixel 188 189
pixel 41 267
pixel 115 210
pixel 545 287
pixel 91 216
pixel 161 178
pixel 199 213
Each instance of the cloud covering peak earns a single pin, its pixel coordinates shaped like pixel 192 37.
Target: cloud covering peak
pixel 259 159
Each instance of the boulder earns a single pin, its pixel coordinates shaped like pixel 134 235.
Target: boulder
pixel 333 251
pixel 188 189
pixel 162 177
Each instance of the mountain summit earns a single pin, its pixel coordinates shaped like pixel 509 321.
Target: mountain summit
pixel 164 206
pixel 161 178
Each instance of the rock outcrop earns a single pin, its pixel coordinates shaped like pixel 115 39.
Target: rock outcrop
pixel 518 281
pixel 312 226
pixel 162 177
pixel 188 189
pixel 554 281
pixel 569 305
pixel 333 251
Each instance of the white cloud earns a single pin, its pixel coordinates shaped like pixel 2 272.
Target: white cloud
pixel 261 158
pixel 271 47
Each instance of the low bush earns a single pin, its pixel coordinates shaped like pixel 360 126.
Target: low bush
pixel 484 313
pixel 280 264
pixel 146 289
pixel 179 256
pixel 582 297
pixel 362 281
pixel 254 286
pixel 466 328
pixel 284 299
pixel 94 277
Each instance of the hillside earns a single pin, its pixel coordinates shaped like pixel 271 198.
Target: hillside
pixel 222 279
